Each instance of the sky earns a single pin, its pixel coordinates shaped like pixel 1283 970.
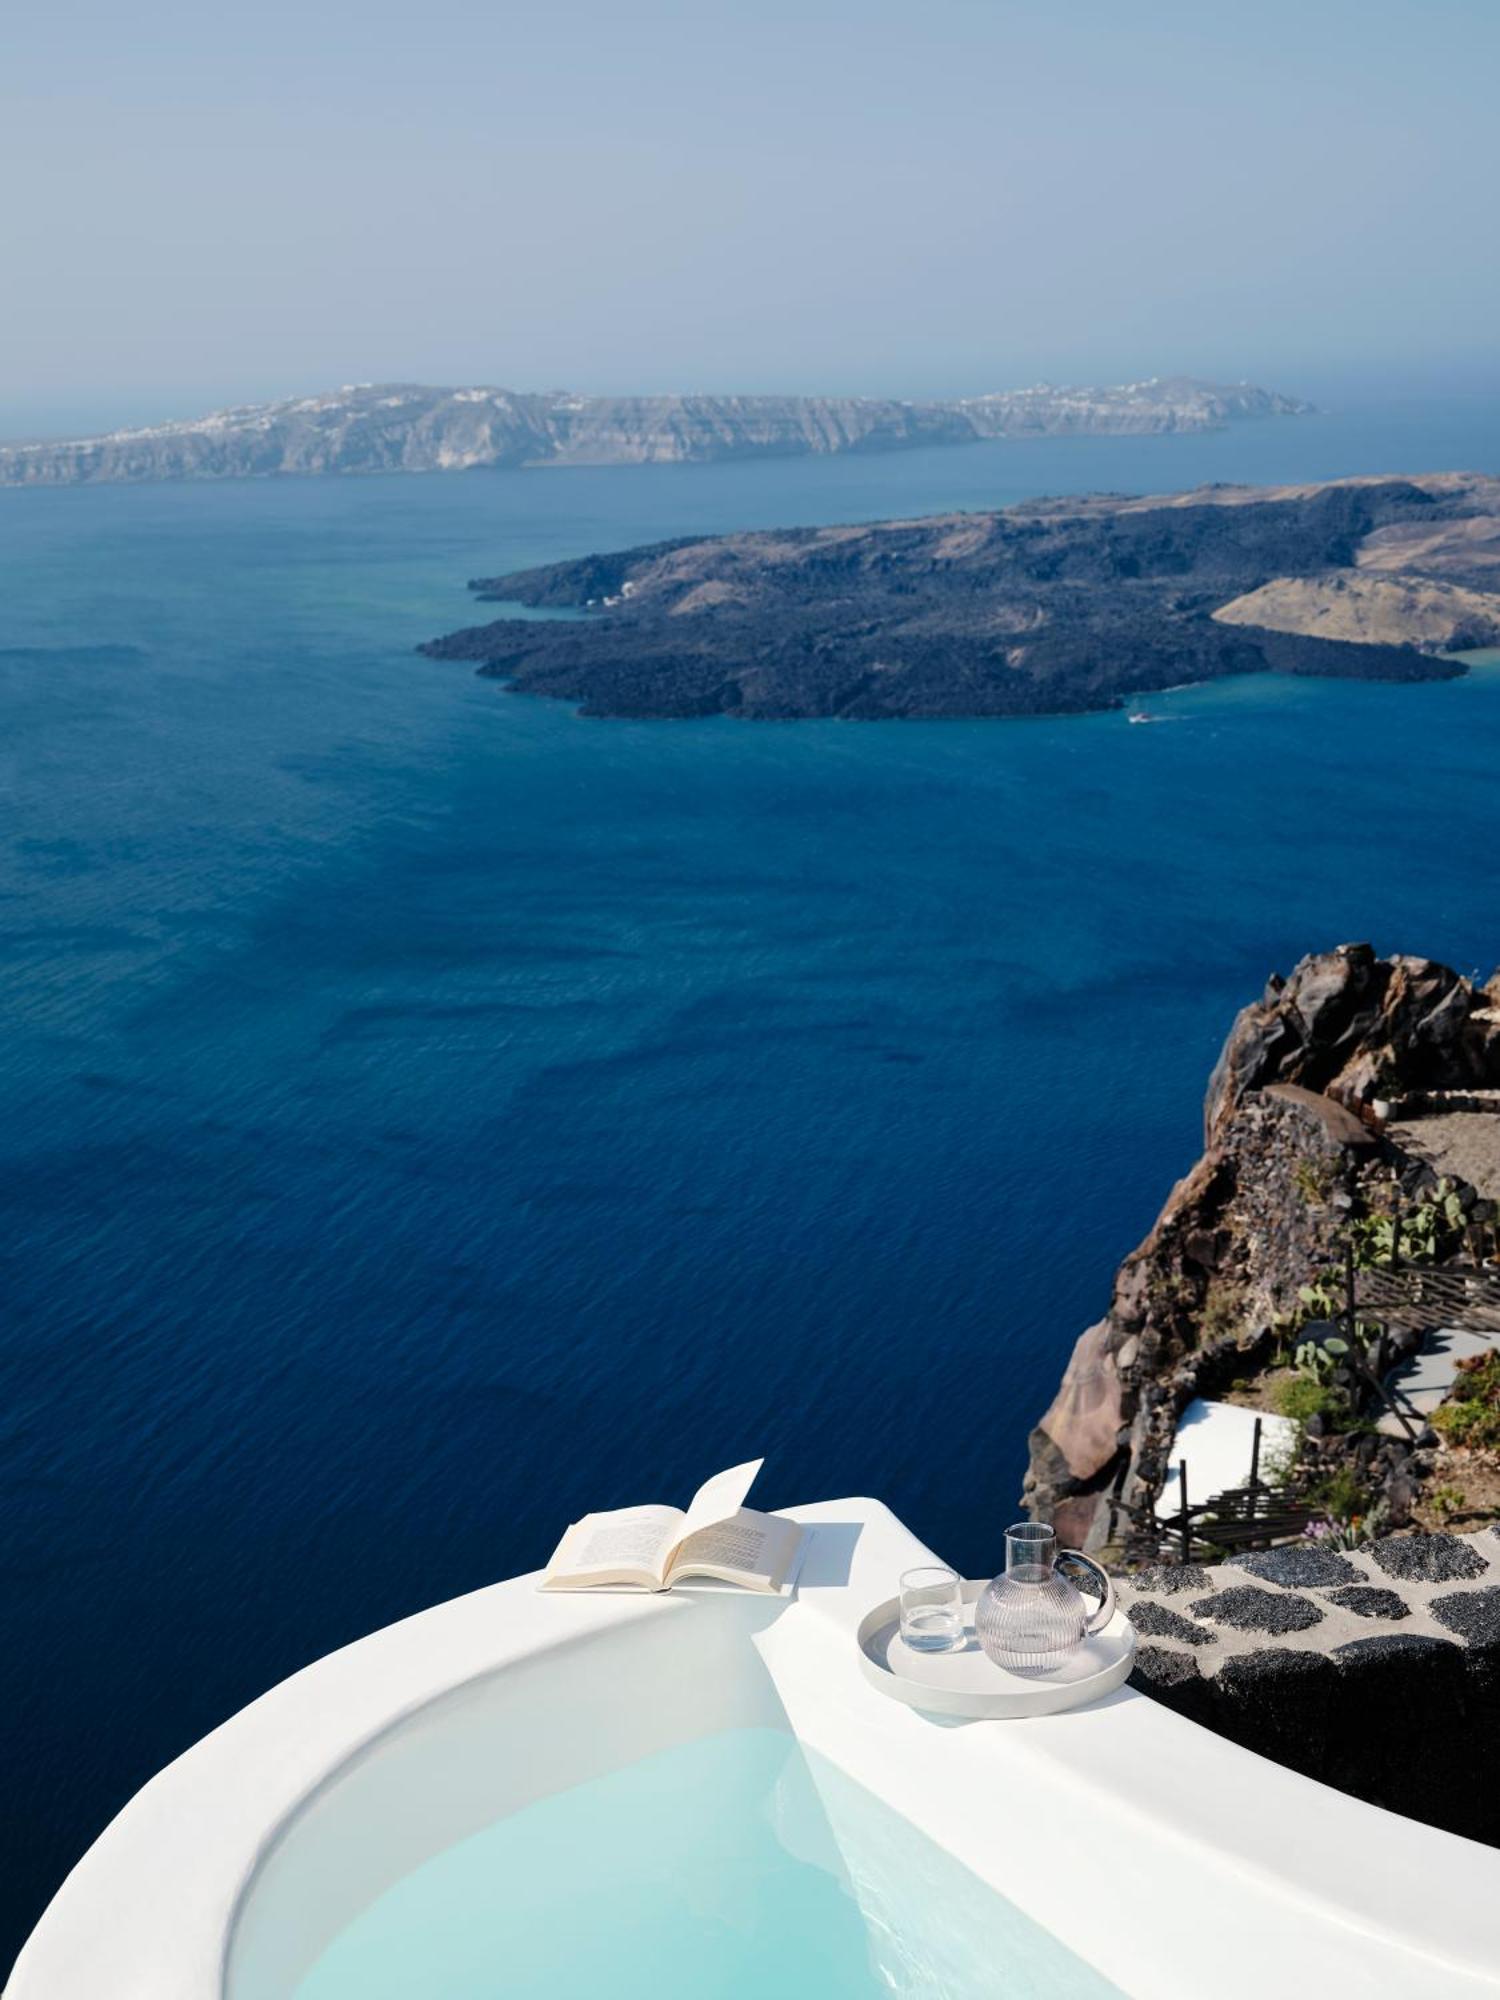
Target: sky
pixel 210 203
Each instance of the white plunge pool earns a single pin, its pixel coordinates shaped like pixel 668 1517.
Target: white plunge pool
pixel 696 1796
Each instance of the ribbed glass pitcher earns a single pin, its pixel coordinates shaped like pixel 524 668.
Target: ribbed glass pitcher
pixel 1031 1618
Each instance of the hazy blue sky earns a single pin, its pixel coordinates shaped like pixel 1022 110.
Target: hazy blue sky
pixel 208 202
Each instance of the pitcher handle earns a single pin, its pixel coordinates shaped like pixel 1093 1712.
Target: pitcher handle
pixel 1100 1618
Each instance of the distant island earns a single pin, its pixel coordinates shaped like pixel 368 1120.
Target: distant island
pixel 404 427
pixel 1051 607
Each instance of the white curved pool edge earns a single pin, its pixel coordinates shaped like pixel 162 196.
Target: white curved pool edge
pixel 1175 1863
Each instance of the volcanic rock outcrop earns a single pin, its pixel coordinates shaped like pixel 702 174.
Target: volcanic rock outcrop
pixel 1047 608
pixel 1294 1127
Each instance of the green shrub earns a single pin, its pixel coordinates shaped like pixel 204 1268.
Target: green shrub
pixel 1223 1310
pixel 1428 1232
pixel 1323 1299
pixel 1319 1361
pixel 1342 1496
pixel 1300 1397
pixel 1471 1414
pixel 1446 1501
pixel 1313 1180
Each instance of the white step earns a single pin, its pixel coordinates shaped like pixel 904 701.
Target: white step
pixel 1420 1384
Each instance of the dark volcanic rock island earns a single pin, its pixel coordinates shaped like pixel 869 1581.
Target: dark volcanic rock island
pixel 1047 608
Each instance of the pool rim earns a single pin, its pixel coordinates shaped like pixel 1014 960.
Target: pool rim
pixel 1279 1876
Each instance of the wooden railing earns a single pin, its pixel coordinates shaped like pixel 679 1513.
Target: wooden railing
pixel 1252 1516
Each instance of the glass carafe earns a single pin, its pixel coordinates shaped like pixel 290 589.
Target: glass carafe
pixel 1032 1618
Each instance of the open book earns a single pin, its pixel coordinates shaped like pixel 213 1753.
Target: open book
pixel 651 1548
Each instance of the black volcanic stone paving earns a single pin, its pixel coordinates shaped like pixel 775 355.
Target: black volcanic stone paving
pixel 1368 1600
pixel 1275 1671
pixel 1387 1648
pixel 1156 1621
pixel 1300 1569
pixel 1428 1558
pixel 1249 1609
pixel 1172 1579
pixel 1163 1667
pixel 1473 1614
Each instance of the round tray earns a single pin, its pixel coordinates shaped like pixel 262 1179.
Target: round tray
pixel 964 1682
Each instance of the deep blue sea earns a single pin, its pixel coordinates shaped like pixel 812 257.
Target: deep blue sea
pixel 425 1115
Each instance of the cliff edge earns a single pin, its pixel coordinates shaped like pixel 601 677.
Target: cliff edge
pixel 1322 1117
pixel 370 427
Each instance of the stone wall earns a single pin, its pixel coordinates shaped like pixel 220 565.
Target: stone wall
pixel 1376 1671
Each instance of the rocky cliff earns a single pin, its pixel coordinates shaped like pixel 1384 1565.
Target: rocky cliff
pixel 1302 1132
pixel 406 427
pixel 1137 409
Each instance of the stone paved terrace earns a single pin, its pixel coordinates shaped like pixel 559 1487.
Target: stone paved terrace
pixel 1376 1670
pixel 1464 1144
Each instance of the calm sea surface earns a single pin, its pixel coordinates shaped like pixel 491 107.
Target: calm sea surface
pixel 425 1116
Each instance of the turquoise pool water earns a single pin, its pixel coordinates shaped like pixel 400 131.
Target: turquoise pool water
pixel 736 1867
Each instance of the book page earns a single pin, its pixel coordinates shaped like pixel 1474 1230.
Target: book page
pixel 755 1547
pixel 627 1538
pixel 720 1498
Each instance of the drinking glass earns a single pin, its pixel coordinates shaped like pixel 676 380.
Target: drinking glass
pixel 932 1609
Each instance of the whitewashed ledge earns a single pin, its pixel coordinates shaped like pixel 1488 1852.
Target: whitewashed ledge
pixel 1174 1862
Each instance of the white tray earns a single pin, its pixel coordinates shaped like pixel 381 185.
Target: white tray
pixel 964 1682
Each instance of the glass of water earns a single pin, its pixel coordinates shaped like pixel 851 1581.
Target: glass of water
pixel 932 1609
